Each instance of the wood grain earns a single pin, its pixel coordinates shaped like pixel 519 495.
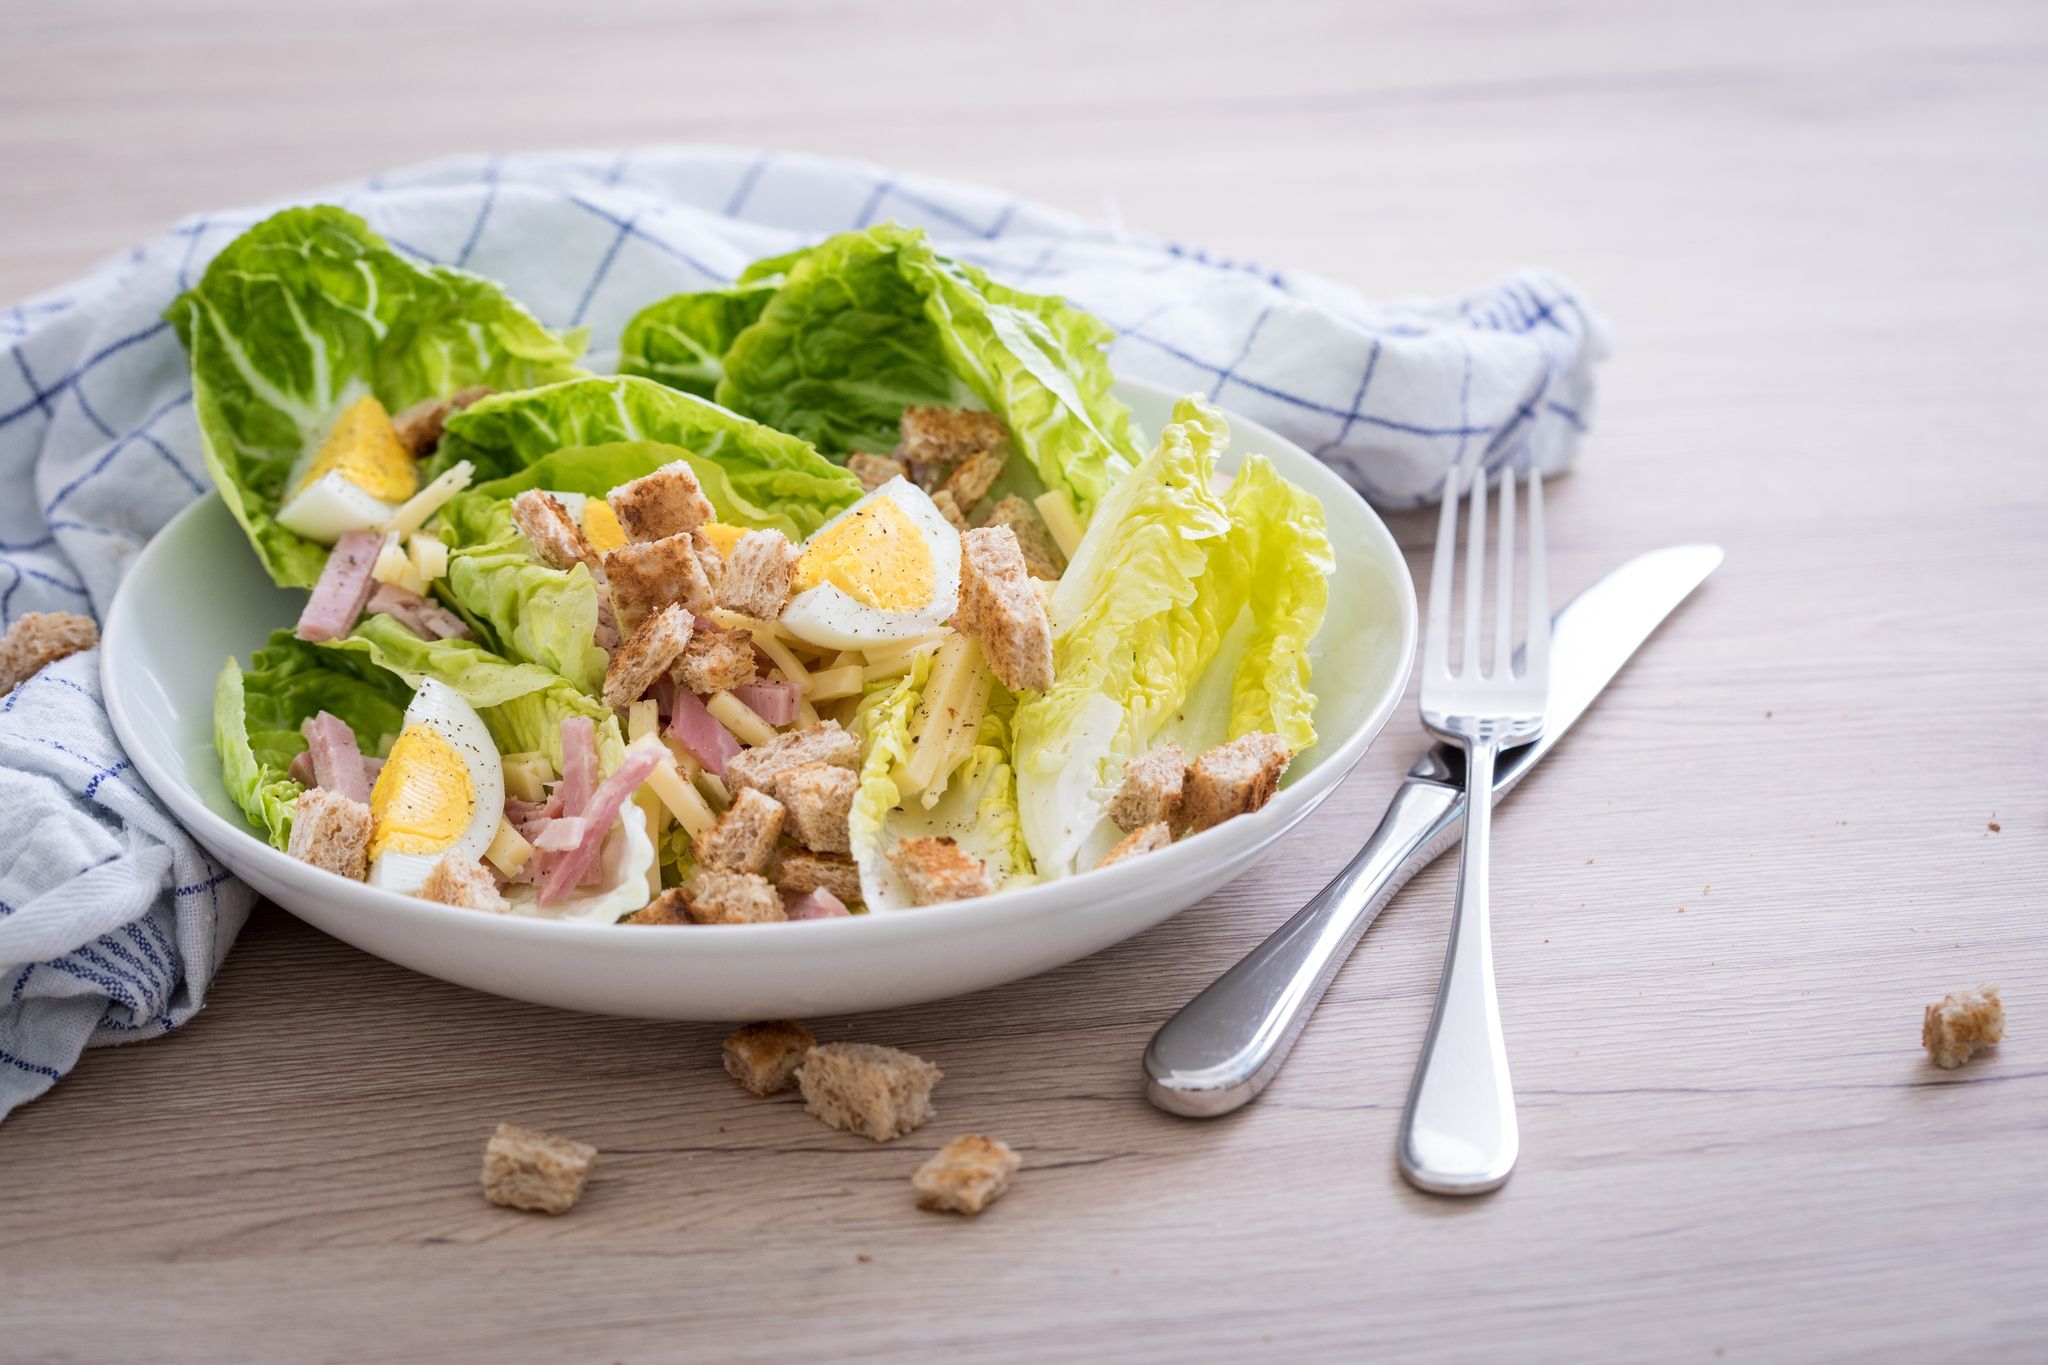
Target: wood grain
pixel 1817 229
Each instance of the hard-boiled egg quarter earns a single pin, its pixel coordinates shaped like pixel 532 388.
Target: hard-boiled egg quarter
pixel 887 568
pixel 441 791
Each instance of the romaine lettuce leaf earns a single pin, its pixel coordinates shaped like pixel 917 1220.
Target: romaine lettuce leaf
pixel 764 475
pixel 978 810
pixel 257 713
pixel 522 704
pixel 307 311
pixel 868 323
pixel 542 615
pixel 1182 615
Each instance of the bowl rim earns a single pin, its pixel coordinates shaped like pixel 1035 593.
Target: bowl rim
pixel 1180 859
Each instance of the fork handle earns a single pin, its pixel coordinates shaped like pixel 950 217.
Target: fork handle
pixel 1458 1134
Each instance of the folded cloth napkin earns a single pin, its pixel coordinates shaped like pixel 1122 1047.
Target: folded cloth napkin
pixel 113 921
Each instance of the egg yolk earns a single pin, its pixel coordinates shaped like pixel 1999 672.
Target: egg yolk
pixel 364 449
pixel 723 536
pixel 875 555
pixel 423 799
pixel 601 526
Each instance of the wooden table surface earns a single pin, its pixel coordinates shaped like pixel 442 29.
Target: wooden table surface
pixel 1818 230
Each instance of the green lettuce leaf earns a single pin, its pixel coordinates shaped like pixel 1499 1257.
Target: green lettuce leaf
pixel 868 323
pixel 542 615
pixel 1183 615
pixel 763 476
pixel 523 705
pixel 307 311
pixel 257 713
pixel 978 809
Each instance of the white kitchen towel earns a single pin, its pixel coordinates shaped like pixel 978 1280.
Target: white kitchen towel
pixel 112 921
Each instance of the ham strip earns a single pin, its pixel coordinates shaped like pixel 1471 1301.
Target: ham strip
pixel 569 869
pixel 817 903
pixel 301 770
pixel 558 836
pixel 337 762
pixel 579 765
pixel 422 616
pixel 700 734
pixel 343 590
pixel 774 702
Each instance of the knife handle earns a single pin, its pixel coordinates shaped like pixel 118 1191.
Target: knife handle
pixel 1219 1052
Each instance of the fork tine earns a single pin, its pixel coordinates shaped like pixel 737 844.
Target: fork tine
pixel 1504 592
pixel 1475 576
pixel 1436 661
pixel 1536 654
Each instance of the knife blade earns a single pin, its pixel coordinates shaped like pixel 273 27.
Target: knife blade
pixel 1226 1044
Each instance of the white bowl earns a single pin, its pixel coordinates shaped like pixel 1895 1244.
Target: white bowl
pixel 197 595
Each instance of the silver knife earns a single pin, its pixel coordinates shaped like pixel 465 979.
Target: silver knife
pixel 1223 1047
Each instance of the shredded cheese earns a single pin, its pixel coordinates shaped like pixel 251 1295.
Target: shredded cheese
pixel 509 850
pixel 1061 520
pixel 414 511
pixel 680 798
pixel 736 716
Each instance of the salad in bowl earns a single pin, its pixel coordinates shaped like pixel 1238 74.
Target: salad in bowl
pixel 855 589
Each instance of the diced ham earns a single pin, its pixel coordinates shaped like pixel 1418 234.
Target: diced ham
pixel 559 836
pixel 422 616
pixel 579 765
pixel 301 770
pixel 774 702
pixel 569 869
pixel 344 588
pixel 372 765
pixel 700 734
pixel 519 812
pixel 817 903
pixel 337 762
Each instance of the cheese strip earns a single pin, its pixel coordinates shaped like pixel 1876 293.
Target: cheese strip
pixel 509 850
pixel 736 716
pixel 428 555
pixel 1061 520
pixel 681 799
pixel 945 692
pixel 643 718
pixel 833 683
pixel 413 513
pixel 946 742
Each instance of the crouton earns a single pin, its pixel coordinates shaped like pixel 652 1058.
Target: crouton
pixel 1963 1022
pixel 465 883
pixel 874 470
pixel 801 873
pixel 556 538
pixel 331 831
pixel 999 604
pixel 39 639
pixel 757 575
pixel 419 427
pixel 670 907
pixel 665 503
pixel 1151 789
pixel 1233 779
pixel 950 510
pixel 719 896
pixel 646 576
pixel 711 559
pixel 1143 839
pixel 819 798
pixel 649 652
pixel 824 742
pixel 966 1175
pixel 1042 557
pixel 744 836
pixel 936 870
pixel 863 1088
pixel 764 1058
pixel 524 1169
pixel 716 660
pixel 970 483
pixel 949 436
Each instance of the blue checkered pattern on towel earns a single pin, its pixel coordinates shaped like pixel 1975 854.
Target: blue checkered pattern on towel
pixel 112 921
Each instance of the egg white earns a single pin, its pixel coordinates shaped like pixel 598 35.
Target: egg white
pixel 331 506
pixel 827 616
pixel 441 708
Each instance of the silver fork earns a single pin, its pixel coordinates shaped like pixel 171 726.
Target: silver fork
pixel 1458 1134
